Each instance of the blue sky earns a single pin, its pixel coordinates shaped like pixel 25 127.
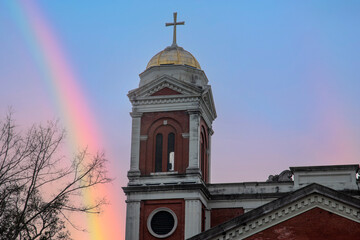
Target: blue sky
pixel 285 75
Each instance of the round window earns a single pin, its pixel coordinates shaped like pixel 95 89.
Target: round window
pixel 162 222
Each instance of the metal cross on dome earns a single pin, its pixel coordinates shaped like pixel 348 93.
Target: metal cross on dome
pixel 174 24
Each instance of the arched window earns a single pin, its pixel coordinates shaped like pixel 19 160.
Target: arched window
pixel 158 152
pixel 165 149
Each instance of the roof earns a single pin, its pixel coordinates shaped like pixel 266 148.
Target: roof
pixel 247 221
pixel 173 55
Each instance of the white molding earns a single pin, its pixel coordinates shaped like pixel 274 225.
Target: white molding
pixel 143 137
pixel 135 142
pixel 194 139
pixel 161 82
pixel 247 204
pixel 185 135
pixel 180 194
pixel 192 217
pixel 132 220
pixel 181 106
pixel 296 208
pixel 165 100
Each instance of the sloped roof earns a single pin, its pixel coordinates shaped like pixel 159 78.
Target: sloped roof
pixel 271 213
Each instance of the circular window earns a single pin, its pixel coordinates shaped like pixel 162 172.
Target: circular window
pixel 162 222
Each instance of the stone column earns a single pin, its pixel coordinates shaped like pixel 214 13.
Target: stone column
pixel 135 145
pixel 194 141
pixel 192 217
pixel 207 219
pixel 132 220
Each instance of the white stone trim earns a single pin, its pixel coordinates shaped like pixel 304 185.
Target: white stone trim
pixel 135 142
pixel 164 100
pixel 185 135
pixel 132 220
pixel 143 137
pixel 163 173
pixel 164 178
pixel 192 217
pixel 247 204
pixel 169 77
pixel 336 179
pixel 181 194
pixel 207 219
pixel 194 139
pixel 183 106
pixel 290 211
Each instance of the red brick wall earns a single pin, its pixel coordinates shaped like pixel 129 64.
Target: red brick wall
pixel 176 205
pixel 221 215
pixel 178 122
pixel 165 91
pixel 316 224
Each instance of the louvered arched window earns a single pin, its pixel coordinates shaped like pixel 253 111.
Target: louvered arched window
pixel 165 151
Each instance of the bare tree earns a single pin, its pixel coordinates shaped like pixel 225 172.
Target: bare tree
pixel 37 193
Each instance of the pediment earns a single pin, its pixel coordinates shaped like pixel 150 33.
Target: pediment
pixel 312 200
pixel 165 92
pixel 165 85
pixel 315 223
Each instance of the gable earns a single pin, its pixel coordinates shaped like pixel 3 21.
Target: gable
pixel 346 209
pixel 291 210
pixel 165 91
pixel 315 223
pixel 168 83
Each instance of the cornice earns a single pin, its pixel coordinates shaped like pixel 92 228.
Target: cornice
pixel 290 211
pixel 165 100
pixel 173 187
pixel 282 209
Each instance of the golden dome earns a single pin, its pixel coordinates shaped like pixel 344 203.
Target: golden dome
pixel 173 55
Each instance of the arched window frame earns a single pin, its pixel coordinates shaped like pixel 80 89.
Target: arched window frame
pixel 165 126
pixel 203 153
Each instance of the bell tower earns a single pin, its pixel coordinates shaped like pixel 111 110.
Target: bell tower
pixel 172 115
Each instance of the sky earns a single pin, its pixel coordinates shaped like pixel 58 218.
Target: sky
pixel 285 77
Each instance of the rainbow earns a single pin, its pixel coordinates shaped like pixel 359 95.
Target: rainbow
pixel 70 103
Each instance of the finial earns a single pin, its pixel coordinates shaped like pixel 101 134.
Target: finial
pixel 174 24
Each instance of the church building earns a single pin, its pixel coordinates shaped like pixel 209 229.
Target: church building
pixel 170 195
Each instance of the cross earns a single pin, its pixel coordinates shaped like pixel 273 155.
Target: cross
pixel 174 24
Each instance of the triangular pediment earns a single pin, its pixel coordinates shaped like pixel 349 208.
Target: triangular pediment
pixel 303 205
pixel 165 84
pixel 315 223
pixel 165 92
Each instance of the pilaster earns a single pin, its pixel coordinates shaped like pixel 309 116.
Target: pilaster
pixel 192 217
pixel 135 145
pixel 132 220
pixel 207 219
pixel 194 142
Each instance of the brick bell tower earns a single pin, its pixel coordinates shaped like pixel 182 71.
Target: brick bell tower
pixel 172 115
